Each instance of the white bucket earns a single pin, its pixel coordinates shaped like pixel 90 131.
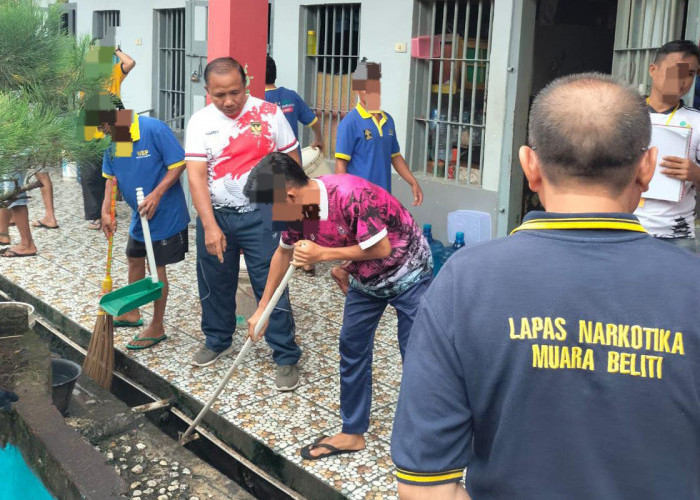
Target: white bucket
pixel 29 307
pixel 475 225
pixel 69 170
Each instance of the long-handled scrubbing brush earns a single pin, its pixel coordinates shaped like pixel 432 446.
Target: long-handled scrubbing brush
pixel 99 361
pixel 188 436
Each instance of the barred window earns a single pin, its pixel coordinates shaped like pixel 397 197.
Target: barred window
pixel 103 24
pixel 170 39
pixel 332 41
pixel 450 52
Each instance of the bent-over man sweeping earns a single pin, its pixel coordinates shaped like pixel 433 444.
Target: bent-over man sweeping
pixel 344 217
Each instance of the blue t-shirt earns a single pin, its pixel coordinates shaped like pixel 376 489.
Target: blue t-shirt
pixel 557 363
pixel 294 108
pixel 155 151
pixel 368 145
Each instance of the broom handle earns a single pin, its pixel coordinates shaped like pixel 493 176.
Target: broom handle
pixel 246 347
pixel 107 282
pixel 147 239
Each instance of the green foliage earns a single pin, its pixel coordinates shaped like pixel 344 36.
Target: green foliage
pixel 44 81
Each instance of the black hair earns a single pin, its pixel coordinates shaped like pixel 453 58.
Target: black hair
pixel 224 65
pixel 274 171
pixel 270 71
pixel 589 126
pixel 685 47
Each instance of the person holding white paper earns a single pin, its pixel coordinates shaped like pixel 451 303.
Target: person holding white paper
pixel 672 74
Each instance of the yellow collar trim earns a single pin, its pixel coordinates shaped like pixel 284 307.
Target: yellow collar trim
pixel 364 114
pixel 134 129
pixel 581 223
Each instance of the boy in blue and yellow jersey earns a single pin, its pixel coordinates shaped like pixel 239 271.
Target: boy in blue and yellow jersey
pixel 367 145
pixel 573 371
pixel 145 153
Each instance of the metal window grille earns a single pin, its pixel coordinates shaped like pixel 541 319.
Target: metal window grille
pixel 450 53
pixel 171 68
pixel 642 27
pixel 332 52
pixel 68 18
pixel 106 21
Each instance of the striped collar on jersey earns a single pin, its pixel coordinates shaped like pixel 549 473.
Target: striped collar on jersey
pixel 609 221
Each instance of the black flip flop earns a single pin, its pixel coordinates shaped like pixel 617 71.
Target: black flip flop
pixel 39 224
pixel 11 254
pixel 306 450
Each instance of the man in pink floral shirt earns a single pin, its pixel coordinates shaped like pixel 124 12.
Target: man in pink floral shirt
pixel 344 217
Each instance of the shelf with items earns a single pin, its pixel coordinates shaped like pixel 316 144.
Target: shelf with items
pixel 447 66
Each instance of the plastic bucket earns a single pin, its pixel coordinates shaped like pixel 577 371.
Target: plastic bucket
pixel 475 225
pixel 64 373
pixel 28 307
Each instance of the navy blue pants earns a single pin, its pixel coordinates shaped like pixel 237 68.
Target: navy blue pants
pixel 360 319
pixel 218 283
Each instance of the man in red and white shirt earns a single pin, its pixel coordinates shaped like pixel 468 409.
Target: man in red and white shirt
pixel 223 142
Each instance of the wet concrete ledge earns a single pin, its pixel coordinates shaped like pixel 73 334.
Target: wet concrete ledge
pixel 285 471
pixel 67 465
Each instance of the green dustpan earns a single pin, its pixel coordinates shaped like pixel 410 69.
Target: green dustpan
pixel 132 296
pixel 142 292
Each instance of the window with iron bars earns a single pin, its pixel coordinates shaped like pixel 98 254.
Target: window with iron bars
pixel 450 52
pixel 104 22
pixel 171 68
pixel 332 41
pixel 642 27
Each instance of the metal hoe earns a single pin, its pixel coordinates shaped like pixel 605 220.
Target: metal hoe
pixel 186 438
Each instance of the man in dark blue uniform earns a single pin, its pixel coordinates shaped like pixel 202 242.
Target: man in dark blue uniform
pixel 562 361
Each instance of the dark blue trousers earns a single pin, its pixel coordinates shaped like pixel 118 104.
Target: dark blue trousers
pixel 360 319
pixel 218 283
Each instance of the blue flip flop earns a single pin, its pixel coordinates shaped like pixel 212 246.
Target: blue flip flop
pixel 153 341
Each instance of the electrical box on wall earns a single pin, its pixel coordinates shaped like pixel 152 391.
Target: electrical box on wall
pixel 400 47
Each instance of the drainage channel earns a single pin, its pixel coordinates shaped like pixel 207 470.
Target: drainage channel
pixel 172 422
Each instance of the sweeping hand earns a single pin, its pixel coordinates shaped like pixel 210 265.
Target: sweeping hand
pixel 215 241
pixel 252 323
pixel 307 252
pixel 150 204
pixel 109 226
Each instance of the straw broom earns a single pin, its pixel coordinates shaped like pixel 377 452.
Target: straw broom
pixel 99 361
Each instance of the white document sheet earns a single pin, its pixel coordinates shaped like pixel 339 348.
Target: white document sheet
pixel 670 141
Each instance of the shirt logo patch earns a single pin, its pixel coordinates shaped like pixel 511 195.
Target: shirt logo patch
pixel 256 128
pixel 368 134
pixel 143 154
pixel 391 131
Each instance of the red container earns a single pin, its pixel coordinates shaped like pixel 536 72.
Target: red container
pixel 421 47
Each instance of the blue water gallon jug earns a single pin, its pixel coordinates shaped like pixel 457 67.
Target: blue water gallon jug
pixel 448 251
pixel 436 247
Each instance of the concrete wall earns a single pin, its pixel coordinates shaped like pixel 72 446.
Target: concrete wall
pixel 137 25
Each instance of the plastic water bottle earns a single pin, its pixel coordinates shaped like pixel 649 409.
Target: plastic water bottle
pixel 436 247
pixel 459 243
